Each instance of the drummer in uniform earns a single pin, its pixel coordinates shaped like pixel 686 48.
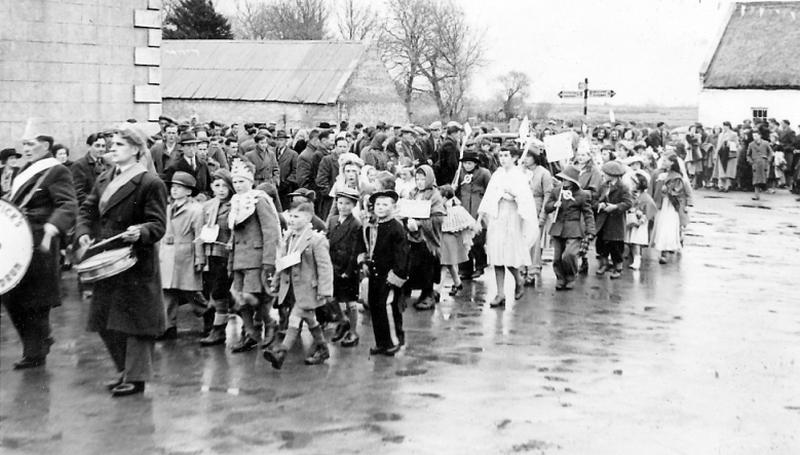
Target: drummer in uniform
pixel 127 308
pixel 43 191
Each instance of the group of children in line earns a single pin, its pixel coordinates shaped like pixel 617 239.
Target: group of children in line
pixel 236 254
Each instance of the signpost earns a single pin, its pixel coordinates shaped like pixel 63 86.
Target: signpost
pixel 583 91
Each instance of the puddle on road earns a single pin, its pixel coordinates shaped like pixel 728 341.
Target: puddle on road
pixel 411 372
pixel 754 206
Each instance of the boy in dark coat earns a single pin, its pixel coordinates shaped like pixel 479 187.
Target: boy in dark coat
pixel 471 187
pixel 346 244
pixel 385 264
pixel 613 202
pixel 573 221
pixel 304 278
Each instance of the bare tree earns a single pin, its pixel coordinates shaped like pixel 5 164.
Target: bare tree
pixel 515 89
pixel 252 20
pixel 432 49
pixel 357 21
pixel 405 41
pixel 282 20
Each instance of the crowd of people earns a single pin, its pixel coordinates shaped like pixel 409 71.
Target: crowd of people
pixel 286 229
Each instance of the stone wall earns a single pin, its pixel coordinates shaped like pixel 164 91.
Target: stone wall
pixel 80 65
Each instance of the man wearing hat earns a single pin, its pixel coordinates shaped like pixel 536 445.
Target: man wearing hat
pixel 188 162
pixel 166 151
pixel 408 149
pixel 574 220
pixel 43 191
pixel 470 188
pixel 449 153
pixel 614 201
pixel 181 255
pixel 287 167
pixel 265 162
pixel 430 146
pixel 9 168
pixel 309 159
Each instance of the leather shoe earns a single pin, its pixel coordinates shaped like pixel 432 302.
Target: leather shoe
pixel 375 350
pixel 350 340
pixel 319 356
pixel 275 358
pixel 341 330
pixel 454 290
pixel 425 304
pixel 128 388
pixel 498 302
pixel 111 385
pixel 390 352
pixel 169 334
pixel 29 362
pixel 246 344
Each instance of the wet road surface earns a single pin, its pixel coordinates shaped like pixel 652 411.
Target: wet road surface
pixel 700 356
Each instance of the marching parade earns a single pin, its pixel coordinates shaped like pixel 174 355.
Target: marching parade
pixel 399 227
pixel 285 229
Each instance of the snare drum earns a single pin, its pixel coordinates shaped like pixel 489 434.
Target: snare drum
pixel 106 264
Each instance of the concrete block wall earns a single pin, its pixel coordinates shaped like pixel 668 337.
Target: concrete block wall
pixel 71 63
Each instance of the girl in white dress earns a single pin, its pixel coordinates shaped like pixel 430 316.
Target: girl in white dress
pixel 512 222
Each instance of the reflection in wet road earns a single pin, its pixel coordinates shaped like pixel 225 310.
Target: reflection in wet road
pixel 700 356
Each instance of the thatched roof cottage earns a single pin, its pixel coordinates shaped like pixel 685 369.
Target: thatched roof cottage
pixel 754 69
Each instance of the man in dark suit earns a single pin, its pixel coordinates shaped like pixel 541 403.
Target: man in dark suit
pixel 658 137
pixel 187 161
pixel 430 146
pixel 309 159
pixel 287 166
pixel 166 151
pixel 449 154
pixel 326 176
pixel 43 190
pixel 265 162
pixel 88 167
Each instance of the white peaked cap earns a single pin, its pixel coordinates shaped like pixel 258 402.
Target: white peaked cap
pixel 34 128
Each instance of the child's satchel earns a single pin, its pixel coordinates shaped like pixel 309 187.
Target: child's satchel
pixel 210 231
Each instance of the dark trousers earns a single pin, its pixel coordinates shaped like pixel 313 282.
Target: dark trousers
pixel 477 256
pixel 132 355
pixel 565 258
pixel 614 248
pixel 379 291
pixel 33 327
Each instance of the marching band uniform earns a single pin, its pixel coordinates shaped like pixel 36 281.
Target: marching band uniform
pixel 127 309
pixel 44 192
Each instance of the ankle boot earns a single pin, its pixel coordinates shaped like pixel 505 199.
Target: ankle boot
pixel 215 337
pixel 275 357
pixel 319 355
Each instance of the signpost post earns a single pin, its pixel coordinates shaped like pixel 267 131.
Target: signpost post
pixel 583 91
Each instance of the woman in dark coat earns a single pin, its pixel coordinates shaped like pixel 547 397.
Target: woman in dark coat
pixel 127 310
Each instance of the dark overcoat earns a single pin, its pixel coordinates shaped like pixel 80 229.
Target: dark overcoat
pixel 201 173
pixel 575 218
pixel 84 173
pixel 131 301
pixel 611 225
pixel 53 201
pixel 347 242
pixel 266 165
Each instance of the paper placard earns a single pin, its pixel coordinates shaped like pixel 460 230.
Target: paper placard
pixel 558 147
pixel 408 208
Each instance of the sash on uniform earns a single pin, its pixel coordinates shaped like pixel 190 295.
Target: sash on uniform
pixel 29 172
pixel 118 182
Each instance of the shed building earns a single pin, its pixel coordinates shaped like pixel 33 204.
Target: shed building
pixel 294 83
pixel 754 69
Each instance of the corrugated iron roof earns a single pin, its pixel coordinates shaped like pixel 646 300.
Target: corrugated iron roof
pixel 308 72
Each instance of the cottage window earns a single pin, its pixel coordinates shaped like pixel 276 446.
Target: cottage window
pixel 759 113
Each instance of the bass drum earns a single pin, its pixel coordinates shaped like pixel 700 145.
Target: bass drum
pixel 16 246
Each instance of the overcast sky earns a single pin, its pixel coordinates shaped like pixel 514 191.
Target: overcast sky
pixel 648 51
